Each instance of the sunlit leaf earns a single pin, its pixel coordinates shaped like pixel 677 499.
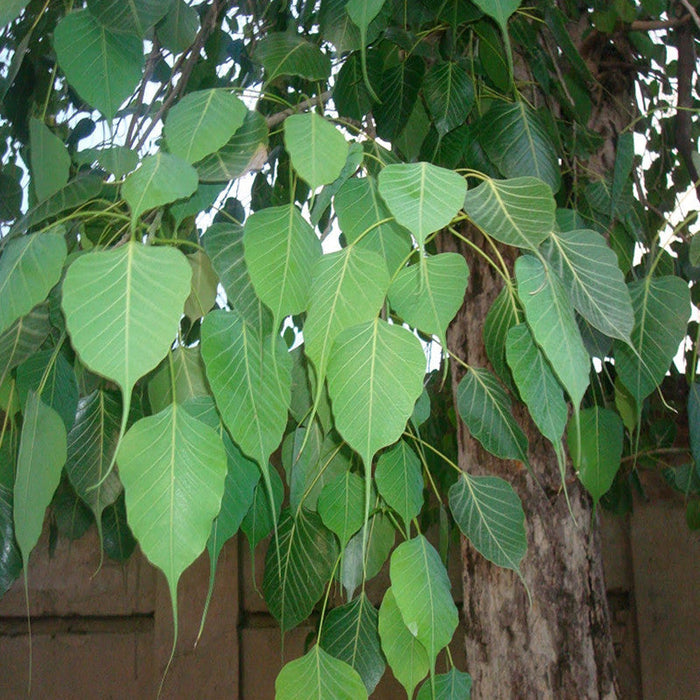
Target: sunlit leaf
pixel 400 480
pixel 178 30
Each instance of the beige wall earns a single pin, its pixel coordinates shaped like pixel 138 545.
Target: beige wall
pixel 107 634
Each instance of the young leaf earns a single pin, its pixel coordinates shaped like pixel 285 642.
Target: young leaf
pixel 317 149
pixel 29 267
pixel 489 513
pixel 341 505
pixel 282 53
pixel 484 406
pixel 49 159
pixel 601 442
pixel 453 685
pixel 298 566
pixel 551 318
pixel 404 653
pixel 350 633
pixel 422 197
pixel 42 454
pixel 422 592
pixel 449 93
pixel 518 212
pixel 202 122
pixel 319 676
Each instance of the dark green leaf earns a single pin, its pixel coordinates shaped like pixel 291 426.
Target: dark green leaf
pixel 133 17
pixel 23 338
pixel 259 520
pixel 117 539
pixel 453 685
pixel 400 481
pixel 178 29
pixel 398 94
pixel 289 54
pixel 449 93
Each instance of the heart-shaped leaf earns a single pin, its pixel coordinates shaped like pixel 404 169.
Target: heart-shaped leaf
pixel 129 17
pixel 453 685
pixel 400 481
pixel 341 505
pixel 49 159
pixel 449 93
pixel 282 53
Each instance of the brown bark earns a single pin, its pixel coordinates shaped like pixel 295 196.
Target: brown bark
pixel 559 644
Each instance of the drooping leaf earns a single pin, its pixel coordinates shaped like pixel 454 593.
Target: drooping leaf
pixel 30 266
pixel 50 162
pixel 178 29
pixel 319 676
pixel 341 505
pixel 10 556
pixel 518 212
pixel 453 685
pixel 298 566
pixel 317 149
pixel 428 295
pixel 360 209
pixel 589 270
pixel 161 179
pixel 505 312
pixel 551 318
pixel 189 382
pixel 597 455
pixel 500 10
pixel 204 286
pixel 345 35
pixel 397 94
pixel 400 481
pixel 350 633
pixel 405 655
pixel 282 53
pixel 42 454
pixel 421 589
pixel 135 17
pixel 661 310
pixel 260 520
pixel 422 197
pixel 108 66
pixel 202 200
pixel 350 93
pixel 23 338
pixel 449 93
pixel 485 408
pixel 280 252
pixel 70 515
pixel 202 122
pixel 489 513
pixel 118 542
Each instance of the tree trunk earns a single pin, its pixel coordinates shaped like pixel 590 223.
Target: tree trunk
pixel 558 644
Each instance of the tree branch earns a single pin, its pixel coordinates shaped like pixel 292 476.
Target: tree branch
pixel 279 117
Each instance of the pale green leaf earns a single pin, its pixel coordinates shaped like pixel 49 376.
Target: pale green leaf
pixel 400 481
pixel 362 12
pixel 350 633
pixel 319 676
pixel 298 565
pixel 661 310
pixel 204 285
pixel 489 513
pixel 131 17
pixel 422 592
pixel 551 318
pixel 283 53
pixel 103 66
pixel 422 197
pixel 161 179
pixel 405 655
pixel 30 266
pixel 485 408
pixel 518 212
pixel 341 505
pixel 42 454
pixel 453 685
pixel 280 252
pixel 596 452
pixel 202 122
pixel 449 94
pixel 189 382
pixel 317 149
pixel 589 270
pixel 500 10
pixel 49 159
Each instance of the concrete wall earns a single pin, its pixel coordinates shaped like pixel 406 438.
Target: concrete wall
pixel 107 633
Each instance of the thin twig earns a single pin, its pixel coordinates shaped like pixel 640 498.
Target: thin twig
pixel 279 117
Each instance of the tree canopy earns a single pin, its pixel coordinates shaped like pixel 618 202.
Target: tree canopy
pixel 225 290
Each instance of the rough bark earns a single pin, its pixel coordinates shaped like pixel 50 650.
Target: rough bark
pixel 558 644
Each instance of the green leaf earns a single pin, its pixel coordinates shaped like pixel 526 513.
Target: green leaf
pixel 350 93
pixel 173 468
pixel 338 29
pixel 259 521
pixel 189 382
pixel 398 94
pixel 298 566
pixel 202 122
pixel 405 655
pixel 202 200
pixel 283 53
pixel 422 197
pixel 23 338
pixel 108 66
pixel 485 408
pixel 123 308
pixel 500 10
pixel 399 481
pixel 536 383
pixel 551 319
pixel 118 541
pixel 589 270
pixel 117 160
pixel 11 10
pixel 362 12
pixel 223 243
pixel 341 505
pixel 505 312
pixel 317 149
pixel 518 144
pixel 42 454
pixel 10 556
pixel 597 454
pixel 350 633
pixel 177 31
pixel 280 252
pixel 449 94
pixel 661 309
pixel 489 513
pixel 30 266
pixel 694 422
pixel 246 150
pixel 517 212
pixel 133 17
pixel 422 592
pixel 49 159
pixel 161 179
pixel 375 375
pixel 428 295
pixel 11 192
pixel 360 209
pixel 71 516
pixel 453 685
pixel 204 286
pixel 320 676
